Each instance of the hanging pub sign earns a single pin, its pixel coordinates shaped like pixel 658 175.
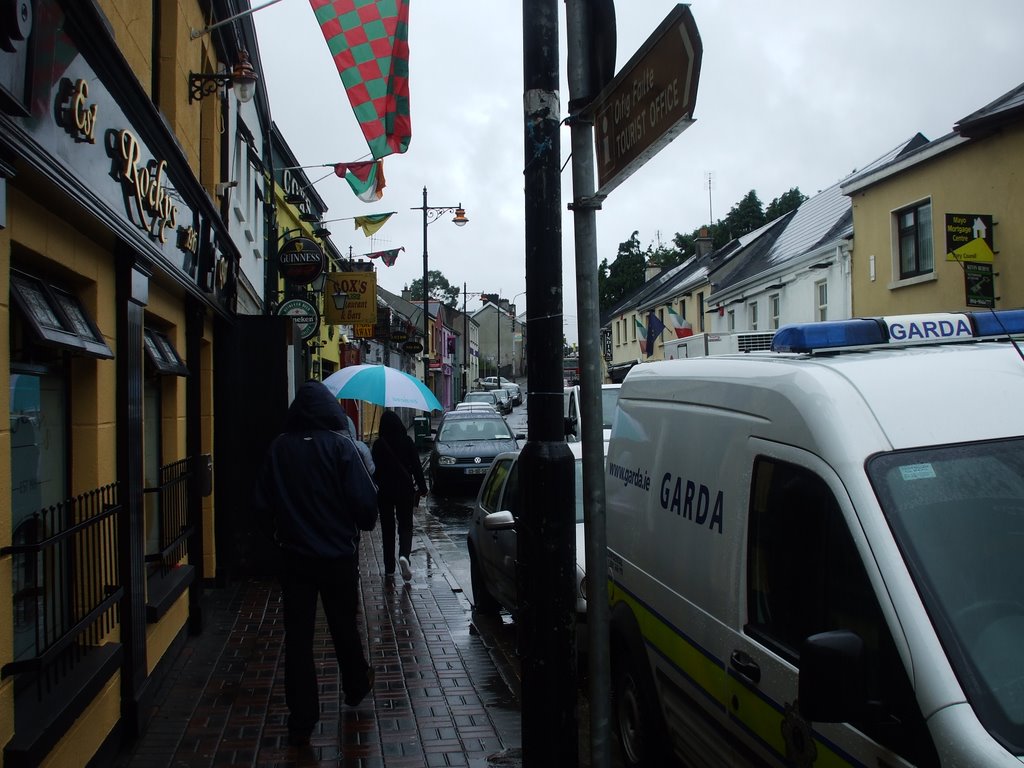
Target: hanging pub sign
pixel 306 318
pixel 300 261
pixel 360 289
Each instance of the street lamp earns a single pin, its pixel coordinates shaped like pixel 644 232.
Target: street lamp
pixel 430 215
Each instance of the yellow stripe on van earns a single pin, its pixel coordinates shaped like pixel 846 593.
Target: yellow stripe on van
pixel 762 717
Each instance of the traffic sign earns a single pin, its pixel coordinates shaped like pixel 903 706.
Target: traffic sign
pixel 649 102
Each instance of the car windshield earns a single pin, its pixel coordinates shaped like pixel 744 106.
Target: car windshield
pixel 460 430
pixel 958 516
pixel 480 397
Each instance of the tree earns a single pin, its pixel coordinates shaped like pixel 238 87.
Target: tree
pixel 617 280
pixel 746 216
pixel 784 203
pixel 439 287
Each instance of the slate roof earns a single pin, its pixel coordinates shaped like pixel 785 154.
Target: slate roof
pixel 1008 108
pixel 407 309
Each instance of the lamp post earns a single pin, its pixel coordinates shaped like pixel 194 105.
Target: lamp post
pixel 430 215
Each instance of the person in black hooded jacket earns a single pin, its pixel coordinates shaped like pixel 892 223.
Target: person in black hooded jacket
pixel 399 477
pixel 318 494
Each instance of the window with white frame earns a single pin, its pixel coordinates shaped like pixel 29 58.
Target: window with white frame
pixel 774 310
pixel 752 315
pixel 821 297
pixel 731 319
pixel 700 309
pixel 914 240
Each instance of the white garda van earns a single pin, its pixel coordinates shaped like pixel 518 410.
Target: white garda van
pixel 816 555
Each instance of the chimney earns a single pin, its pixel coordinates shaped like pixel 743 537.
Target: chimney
pixel 651 271
pixel 703 242
pixel 406 294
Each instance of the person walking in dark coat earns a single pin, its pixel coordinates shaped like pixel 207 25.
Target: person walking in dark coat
pixel 318 494
pixel 400 481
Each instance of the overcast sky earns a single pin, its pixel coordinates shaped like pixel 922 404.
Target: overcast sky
pixel 792 93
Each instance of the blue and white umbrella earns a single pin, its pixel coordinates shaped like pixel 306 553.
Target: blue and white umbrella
pixel 382 385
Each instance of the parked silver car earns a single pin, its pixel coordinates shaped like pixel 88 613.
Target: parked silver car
pixel 491 537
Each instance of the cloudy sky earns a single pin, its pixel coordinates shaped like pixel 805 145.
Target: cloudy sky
pixel 792 93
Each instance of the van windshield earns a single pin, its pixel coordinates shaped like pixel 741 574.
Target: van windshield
pixel 958 516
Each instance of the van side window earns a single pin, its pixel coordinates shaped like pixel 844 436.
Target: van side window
pixel 804 576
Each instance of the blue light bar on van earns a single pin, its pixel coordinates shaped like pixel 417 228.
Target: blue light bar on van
pixel 897 329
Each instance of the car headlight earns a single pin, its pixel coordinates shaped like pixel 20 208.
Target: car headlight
pixel 446 461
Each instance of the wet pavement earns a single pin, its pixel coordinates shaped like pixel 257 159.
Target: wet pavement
pixel 443 695
pixel 447 686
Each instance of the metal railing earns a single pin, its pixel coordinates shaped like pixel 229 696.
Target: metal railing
pixel 65 563
pixel 172 515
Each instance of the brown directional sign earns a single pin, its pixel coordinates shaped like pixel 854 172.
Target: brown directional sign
pixel 649 102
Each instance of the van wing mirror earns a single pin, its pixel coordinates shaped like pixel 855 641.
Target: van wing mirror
pixel 832 686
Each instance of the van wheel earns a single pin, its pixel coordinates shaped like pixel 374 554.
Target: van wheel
pixel 635 713
pixel 483 601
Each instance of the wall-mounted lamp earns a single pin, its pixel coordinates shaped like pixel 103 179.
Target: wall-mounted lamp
pixel 339 298
pixel 242 78
pixel 293 198
pixel 322 232
pixel 309 216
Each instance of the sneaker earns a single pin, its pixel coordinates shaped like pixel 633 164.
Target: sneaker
pixel 355 698
pixel 403 563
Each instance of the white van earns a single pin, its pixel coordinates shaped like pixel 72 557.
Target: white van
pixel 817 557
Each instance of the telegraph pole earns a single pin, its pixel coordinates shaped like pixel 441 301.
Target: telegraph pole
pixel 546 533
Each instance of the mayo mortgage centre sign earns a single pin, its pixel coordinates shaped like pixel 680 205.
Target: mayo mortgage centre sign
pixel 649 102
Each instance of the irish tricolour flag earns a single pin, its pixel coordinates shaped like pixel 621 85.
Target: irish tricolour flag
pixel 679 324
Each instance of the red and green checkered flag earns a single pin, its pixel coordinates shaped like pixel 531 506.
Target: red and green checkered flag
pixel 369 40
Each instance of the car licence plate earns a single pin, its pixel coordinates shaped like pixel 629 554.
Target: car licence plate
pixel 476 470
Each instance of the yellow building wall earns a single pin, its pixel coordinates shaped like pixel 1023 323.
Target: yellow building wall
pixel 88 732
pixel 982 177
pixel 132 24
pixel 160 635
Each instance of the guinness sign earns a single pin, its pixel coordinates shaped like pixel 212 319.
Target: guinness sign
pixel 300 261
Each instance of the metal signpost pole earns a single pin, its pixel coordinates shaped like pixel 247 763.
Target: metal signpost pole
pixel 584 206
pixel 546 539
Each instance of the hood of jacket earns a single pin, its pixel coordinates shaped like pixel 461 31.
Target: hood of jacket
pixel 314 407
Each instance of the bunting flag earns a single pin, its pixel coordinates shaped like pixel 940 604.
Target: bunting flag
pixel 388 257
pixel 365 178
pixel 372 222
pixel 641 333
pixel 654 329
pixel 680 325
pixel 369 42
